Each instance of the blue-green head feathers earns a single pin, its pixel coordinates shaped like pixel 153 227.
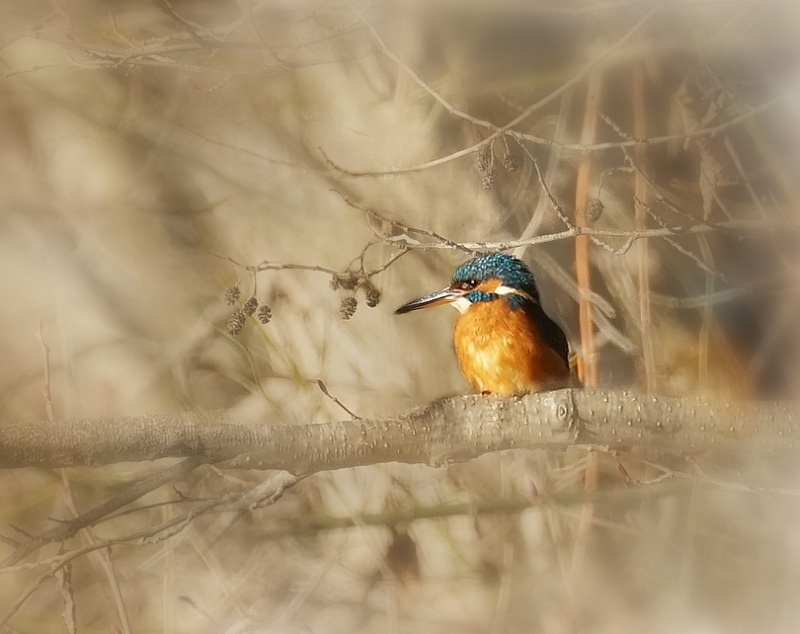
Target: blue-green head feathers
pixel 511 271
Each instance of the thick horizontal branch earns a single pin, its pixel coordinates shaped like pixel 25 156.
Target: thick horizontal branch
pixel 450 430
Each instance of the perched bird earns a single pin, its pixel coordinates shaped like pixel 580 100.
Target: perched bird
pixel 505 342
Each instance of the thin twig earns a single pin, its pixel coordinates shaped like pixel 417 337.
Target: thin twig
pixel 324 389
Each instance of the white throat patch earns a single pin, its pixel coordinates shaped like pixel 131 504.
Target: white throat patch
pixel 461 304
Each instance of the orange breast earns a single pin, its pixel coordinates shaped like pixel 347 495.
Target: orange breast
pixel 501 351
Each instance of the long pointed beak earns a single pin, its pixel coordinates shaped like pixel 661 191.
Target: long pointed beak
pixel 444 296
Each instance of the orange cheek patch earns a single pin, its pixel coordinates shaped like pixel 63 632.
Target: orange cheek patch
pixel 489 286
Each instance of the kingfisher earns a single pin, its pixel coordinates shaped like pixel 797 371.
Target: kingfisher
pixel 505 343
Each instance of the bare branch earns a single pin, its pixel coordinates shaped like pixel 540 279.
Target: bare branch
pixel 630 235
pixel 263 495
pixel 69 529
pixel 453 429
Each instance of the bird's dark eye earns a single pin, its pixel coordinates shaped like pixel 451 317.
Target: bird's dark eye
pixel 467 285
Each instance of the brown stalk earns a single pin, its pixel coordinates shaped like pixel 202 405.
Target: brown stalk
pixel 582 242
pixel 583 275
pixel 643 196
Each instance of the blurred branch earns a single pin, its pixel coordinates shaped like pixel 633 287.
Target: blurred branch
pixel 157 61
pixel 134 492
pixel 709 131
pixel 629 235
pixel 508 129
pixel 266 493
pixel 191 29
pixel 453 429
pixel 166 46
pixel 527 112
pixel 672 483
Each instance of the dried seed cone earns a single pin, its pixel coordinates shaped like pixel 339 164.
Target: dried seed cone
pixel 595 210
pixel 510 163
pixel 348 307
pixel 236 322
pixel 487 180
pixel 232 294
pixel 249 307
pixel 483 159
pixel 373 297
pixel 264 314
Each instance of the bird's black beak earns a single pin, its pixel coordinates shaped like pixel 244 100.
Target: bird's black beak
pixel 444 296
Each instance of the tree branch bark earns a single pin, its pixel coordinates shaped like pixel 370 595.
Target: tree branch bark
pixel 450 430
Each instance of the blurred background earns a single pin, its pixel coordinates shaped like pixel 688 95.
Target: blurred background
pixel 153 155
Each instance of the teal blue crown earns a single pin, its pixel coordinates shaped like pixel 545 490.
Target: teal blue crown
pixel 509 270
